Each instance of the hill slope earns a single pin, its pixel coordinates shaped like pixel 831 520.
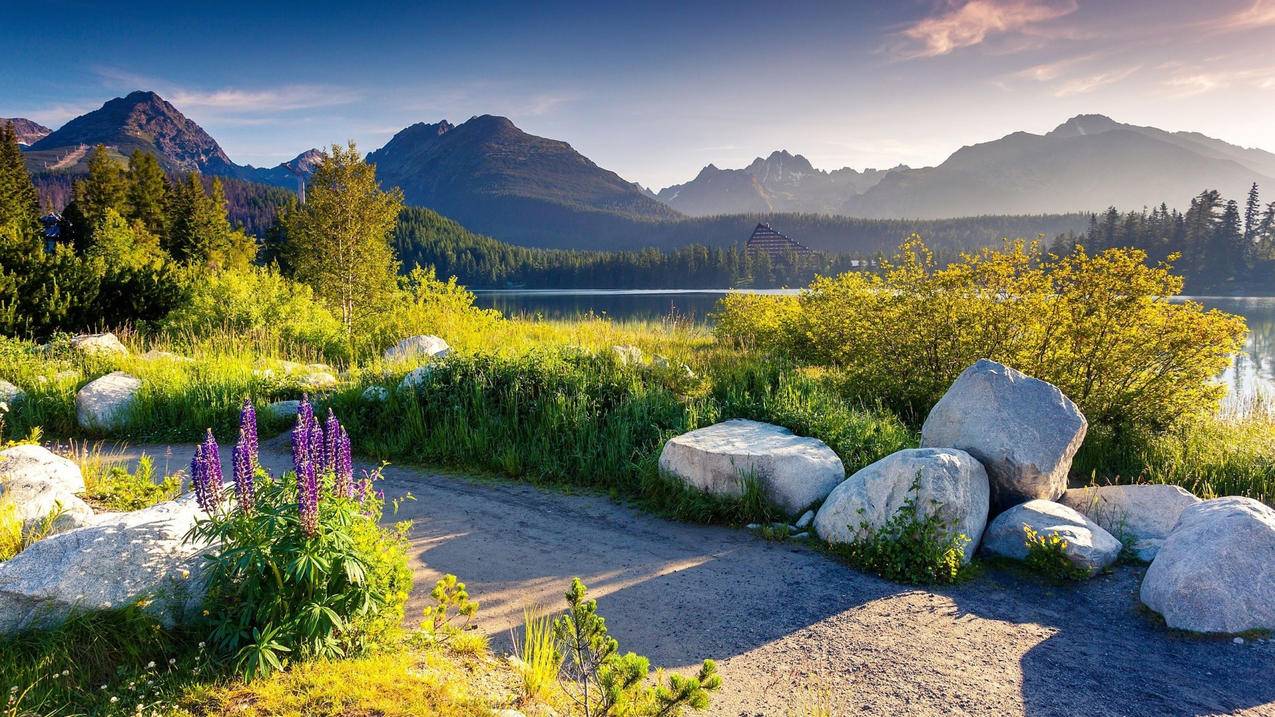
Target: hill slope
pixel 28 132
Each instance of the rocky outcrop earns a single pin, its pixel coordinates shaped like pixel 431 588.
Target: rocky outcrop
pixel 102 344
pixel 418 347
pixel 1215 572
pixel 1024 431
pixel 117 561
pixel 1141 516
pixel 1088 545
pixel 794 472
pixel 39 483
pixel 103 404
pixel 942 481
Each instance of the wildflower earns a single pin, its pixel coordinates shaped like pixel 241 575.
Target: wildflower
pixel 201 475
pixel 331 431
pixel 243 466
pixel 343 464
pixel 248 430
pixel 301 434
pixel 308 498
pixel 114 699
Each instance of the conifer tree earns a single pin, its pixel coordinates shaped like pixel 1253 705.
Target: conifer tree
pixel 338 242
pixel 198 230
pixel 104 188
pixel 146 191
pixel 19 202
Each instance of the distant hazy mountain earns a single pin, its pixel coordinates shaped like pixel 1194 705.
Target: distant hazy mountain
pixel 1088 163
pixel 496 179
pixel 28 132
pixel 782 182
pixel 144 120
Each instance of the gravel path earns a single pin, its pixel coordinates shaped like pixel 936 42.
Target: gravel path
pixel 791 628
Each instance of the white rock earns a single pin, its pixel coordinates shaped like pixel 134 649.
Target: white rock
pixel 794 472
pixel 39 463
pixel 1216 570
pixel 284 409
pixel 376 394
pixel 317 381
pixel 9 393
pixel 1088 545
pixel 805 519
pixel 801 536
pixel 38 482
pixel 103 404
pixel 105 344
pixel 1024 431
pixel 157 355
pixel 418 347
pixel 117 561
pixel 416 378
pixel 1140 515
pixel 950 484
pixel 628 355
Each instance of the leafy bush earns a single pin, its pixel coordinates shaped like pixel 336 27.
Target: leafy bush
pixel 424 304
pixel 1047 555
pixel 255 301
pixel 602 682
pixel 911 547
pixel 119 490
pixel 304 570
pixel 1099 327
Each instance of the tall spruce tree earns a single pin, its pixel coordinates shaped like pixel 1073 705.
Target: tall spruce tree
pixel 19 201
pixel 198 230
pixel 146 192
pixel 338 242
pixel 104 188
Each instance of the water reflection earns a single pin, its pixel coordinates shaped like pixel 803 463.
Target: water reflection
pixel 1251 375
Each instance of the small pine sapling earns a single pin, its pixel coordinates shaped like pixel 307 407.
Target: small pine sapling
pixel 451 601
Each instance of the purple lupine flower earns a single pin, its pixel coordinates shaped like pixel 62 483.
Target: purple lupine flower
pixel 248 430
pixel 331 435
pixel 343 464
pixel 308 498
pixel 301 434
pixel 316 447
pixel 205 474
pixel 244 468
pixel 212 454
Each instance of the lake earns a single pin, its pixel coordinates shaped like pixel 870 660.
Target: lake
pixel 1252 373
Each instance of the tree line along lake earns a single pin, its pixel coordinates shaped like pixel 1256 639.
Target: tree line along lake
pixel 1251 374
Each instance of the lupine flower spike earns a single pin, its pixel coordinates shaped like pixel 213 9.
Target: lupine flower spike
pixel 307 448
pixel 244 467
pixel 331 431
pixel 205 474
pixel 248 430
pixel 344 468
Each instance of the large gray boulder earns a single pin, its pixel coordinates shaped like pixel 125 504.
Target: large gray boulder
pixel 1024 431
pixel 1216 571
pixel 949 483
pixel 39 483
pixel 119 560
pixel 9 393
pixel 416 347
pixel 794 472
pixel 103 404
pixel 1088 545
pixel 102 344
pixel 1141 516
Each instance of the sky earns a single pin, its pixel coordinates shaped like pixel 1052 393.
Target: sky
pixel 654 90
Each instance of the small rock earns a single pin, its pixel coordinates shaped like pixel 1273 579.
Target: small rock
pixel 801 536
pixel 418 347
pixel 416 378
pixel 284 409
pixel 794 472
pixel 1238 641
pixel 318 381
pixel 1088 545
pixel 376 394
pixel 9 393
pixel 157 355
pixel 628 355
pixel 103 404
pixel 805 519
pixel 104 344
pixel 753 526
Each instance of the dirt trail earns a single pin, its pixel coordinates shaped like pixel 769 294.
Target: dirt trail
pixel 789 626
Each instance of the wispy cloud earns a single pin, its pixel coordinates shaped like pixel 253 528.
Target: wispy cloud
pixel 1089 83
pixel 545 104
pixel 1189 84
pixel 964 24
pixel 260 101
pixel 1258 14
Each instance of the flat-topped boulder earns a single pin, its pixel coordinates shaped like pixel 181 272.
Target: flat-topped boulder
pixel 418 347
pixel 943 481
pixel 1088 545
pixel 103 404
pixel 118 560
pixel 794 472
pixel 1023 430
pixel 102 344
pixel 39 483
pixel 1215 572
pixel 1139 515
pixel 9 393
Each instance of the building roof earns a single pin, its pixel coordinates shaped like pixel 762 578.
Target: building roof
pixel 766 240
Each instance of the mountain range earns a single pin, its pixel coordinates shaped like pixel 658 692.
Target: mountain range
pixel 28 132
pixel 500 181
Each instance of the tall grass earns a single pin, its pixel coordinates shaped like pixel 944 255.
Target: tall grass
pixel 536 659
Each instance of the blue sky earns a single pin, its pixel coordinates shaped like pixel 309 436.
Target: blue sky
pixel 656 90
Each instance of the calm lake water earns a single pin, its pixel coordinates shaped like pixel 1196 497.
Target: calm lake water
pixel 1251 374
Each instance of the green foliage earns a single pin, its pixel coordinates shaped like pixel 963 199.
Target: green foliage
pixel 120 491
pixel 425 305
pixel 338 241
pixel 277 595
pixel 914 546
pixel 199 232
pixel 451 601
pixel 536 659
pixel 1047 555
pixel 601 681
pixel 19 202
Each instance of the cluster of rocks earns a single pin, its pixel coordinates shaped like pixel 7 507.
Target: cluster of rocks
pixel 993 463
pixel 92 561
pixel 628 355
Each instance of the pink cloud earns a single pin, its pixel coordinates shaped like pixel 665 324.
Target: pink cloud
pixel 965 24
